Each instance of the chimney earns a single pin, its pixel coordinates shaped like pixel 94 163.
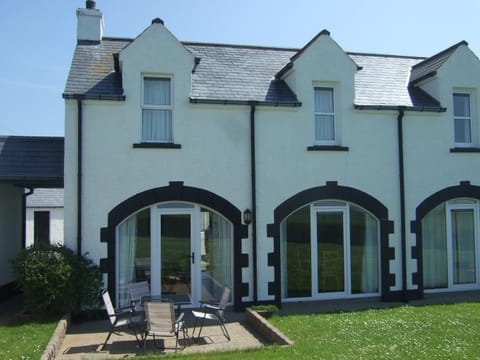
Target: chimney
pixel 89 23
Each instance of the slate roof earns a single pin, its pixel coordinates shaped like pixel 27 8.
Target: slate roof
pixel 383 81
pixel 429 66
pixel 240 74
pixel 30 161
pixel 45 198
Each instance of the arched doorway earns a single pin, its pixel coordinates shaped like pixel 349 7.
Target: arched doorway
pixel 180 209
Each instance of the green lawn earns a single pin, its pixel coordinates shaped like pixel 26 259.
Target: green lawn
pixel 25 340
pixel 429 332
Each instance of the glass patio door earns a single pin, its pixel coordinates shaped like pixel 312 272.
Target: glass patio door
pixel 174 251
pixel 330 258
pixel 462 229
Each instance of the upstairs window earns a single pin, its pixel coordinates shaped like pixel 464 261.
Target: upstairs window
pixel 157 110
pixel 462 119
pixel 324 116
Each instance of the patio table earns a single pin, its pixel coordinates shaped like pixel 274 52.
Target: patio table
pixel 177 299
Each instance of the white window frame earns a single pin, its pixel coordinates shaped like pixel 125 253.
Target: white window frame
pixel 157 107
pixel 332 206
pixel 450 206
pixel 472 118
pixel 335 114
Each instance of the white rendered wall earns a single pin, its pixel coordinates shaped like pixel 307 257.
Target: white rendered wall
pixel 56 225
pixel 10 229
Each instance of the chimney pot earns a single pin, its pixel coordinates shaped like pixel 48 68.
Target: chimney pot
pixel 90 4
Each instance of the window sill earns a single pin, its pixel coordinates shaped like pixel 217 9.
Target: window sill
pixel 465 150
pixel 327 148
pixel 156 145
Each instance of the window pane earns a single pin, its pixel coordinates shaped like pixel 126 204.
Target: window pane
pixel 157 125
pixel 133 253
pixel 324 128
pixel 463 243
pixel 156 91
pixel 216 255
pixel 363 252
pixel 324 100
pixel 434 247
pixel 462 131
pixel 296 254
pixel 461 105
pixel 330 252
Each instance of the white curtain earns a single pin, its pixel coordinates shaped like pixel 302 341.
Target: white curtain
pixel 127 236
pixel 434 246
pixel 463 237
pixel 461 110
pixel 156 91
pixel 370 256
pixel 324 115
pixel 157 125
pixel 221 250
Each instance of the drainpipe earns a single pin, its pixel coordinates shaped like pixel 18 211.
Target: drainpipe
pixel 24 216
pixel 79 175
pixel 402 203
pixel 254 197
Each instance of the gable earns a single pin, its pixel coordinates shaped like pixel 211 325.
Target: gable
pixel 156 50
pixel 323 58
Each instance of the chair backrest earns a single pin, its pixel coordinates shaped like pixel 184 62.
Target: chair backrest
pixel 108 306
pixel 225 298
pixel 160 318
pixel 138 290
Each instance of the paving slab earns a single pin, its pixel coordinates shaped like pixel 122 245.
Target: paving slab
pixel 84 341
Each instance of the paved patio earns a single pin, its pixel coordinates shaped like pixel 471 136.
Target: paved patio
pixel 84 340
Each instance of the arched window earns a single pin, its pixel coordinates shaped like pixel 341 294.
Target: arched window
pixel 178 248
pixel 330 249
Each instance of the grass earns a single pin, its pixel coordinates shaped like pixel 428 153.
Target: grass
pixel 429 332
pixel 25 339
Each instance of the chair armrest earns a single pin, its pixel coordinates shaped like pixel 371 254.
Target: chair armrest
pixel 179 318
pixel 212 307
pixel 209 303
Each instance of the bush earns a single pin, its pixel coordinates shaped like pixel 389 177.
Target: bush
pixel 56 280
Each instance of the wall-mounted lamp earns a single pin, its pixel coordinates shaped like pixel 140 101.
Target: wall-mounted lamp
pixel 247 216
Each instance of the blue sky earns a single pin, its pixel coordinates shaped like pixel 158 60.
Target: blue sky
pixel 38 37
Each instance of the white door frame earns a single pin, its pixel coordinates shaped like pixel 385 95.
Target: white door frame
pixel 175 208
pixel 314 250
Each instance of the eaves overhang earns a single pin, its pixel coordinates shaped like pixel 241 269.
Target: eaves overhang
pixel 400 108
pixel 245 102
pixel 93 97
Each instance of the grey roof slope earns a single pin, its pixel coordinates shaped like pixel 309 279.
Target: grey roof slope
pixel 92 73
pixel 239 74
pixel 32 161
pixel 429 66
pixel 383 81
pixel 45 198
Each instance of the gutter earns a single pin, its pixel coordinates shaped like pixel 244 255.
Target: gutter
pixel 401 174
pixel 24 216
pixel 253 105
pixel 400 108
pixel 245 102
pixel 79 175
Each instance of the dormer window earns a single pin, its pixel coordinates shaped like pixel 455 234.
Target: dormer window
pixel 157 110
pixel 325 116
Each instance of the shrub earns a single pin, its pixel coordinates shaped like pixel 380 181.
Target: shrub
pixel 56 280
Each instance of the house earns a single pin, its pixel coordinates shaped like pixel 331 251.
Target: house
pixel 26 163
pixel 286 174
pixel 44 218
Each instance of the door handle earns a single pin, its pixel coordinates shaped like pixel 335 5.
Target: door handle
pixel 192 257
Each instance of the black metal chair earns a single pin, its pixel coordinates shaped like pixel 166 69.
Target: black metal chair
pixel 123 319
pixel 212 312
